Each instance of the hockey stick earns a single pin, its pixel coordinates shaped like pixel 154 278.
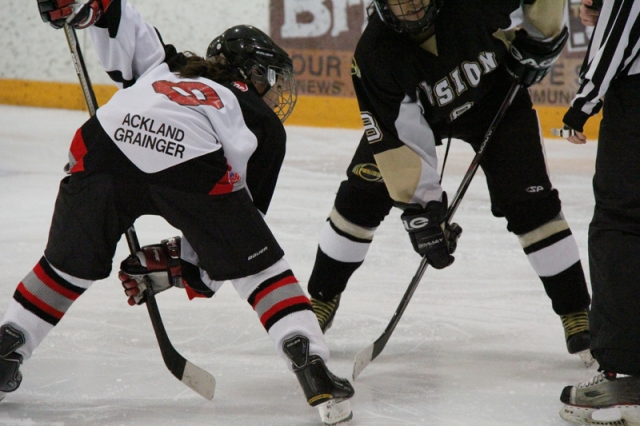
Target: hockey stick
pixel 191 375
pixel 372 351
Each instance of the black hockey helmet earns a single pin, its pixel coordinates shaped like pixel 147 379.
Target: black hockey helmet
pixel 408 16
pixel 259 59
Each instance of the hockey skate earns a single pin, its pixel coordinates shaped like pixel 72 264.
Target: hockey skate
pixel 321 387
pixel 576 333
pixel 325 311
pixel 10 376
pixel 605 400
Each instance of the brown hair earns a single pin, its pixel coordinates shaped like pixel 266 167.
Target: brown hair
pixel 217 68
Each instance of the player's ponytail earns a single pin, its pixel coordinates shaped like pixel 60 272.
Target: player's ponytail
pixel 216 69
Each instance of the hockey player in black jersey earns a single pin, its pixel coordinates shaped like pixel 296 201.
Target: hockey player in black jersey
pixel 425 70
pixel 199 142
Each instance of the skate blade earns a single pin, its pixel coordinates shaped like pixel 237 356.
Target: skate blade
pixel 335 412
pixel 630 413
pixel 623 415
pixel 2 395
pixel 586 358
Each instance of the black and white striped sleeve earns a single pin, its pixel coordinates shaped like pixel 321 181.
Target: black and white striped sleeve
pixel 613 53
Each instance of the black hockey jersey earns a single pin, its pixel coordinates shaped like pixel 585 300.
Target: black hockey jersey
pixel 405 88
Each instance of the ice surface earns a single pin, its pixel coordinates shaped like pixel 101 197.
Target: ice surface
pixel 478 345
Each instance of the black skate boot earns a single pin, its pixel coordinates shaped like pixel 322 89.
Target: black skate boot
pixel 321 387
pixel 576 331
pixel 576 334
pixel 604 400
pixel 325 311
pixel 10 376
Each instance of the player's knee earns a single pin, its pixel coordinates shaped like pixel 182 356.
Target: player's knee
pixel 363 207
pixel 529 215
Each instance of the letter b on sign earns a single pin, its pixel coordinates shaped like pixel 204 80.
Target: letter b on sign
pixel 318 25
pixel 313 18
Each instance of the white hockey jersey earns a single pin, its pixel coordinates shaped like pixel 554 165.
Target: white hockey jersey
pixel 220 136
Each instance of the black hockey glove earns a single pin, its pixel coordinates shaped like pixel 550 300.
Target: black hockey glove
pixel 56 12
pixel 531 60
pixel 430 236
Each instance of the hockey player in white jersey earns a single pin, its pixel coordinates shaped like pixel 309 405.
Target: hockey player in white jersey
pixel 197 141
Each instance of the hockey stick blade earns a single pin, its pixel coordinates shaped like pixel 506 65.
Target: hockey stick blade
pixel 371 352
pixel 191 375
pixel 362 360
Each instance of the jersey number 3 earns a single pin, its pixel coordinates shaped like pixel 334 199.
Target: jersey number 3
pixel 189 93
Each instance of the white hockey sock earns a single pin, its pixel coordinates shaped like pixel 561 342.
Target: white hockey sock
pixel 282 307
pixel 551 248
pixel 40 301
pixel 303 323
pixel 343 241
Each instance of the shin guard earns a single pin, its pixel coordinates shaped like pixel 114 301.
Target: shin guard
pixel 40 301
pixel 553 253
pixel 283 308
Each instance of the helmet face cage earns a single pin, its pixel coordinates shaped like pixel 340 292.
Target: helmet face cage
pixel 408 16
pixel 258 59
pixel 283 91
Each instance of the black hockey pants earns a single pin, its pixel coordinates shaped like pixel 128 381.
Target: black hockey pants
pixel 614 233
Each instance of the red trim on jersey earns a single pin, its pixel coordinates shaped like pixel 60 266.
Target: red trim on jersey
pixel 39 303
pixel 191 293
pixel 78 151
pixel 226 183
pixel 283 305
pixel 285 281
pixel 50 282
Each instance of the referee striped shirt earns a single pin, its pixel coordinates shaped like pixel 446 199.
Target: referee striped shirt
pixel 613 53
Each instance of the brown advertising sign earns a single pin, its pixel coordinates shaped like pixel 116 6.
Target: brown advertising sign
pixel 321 35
